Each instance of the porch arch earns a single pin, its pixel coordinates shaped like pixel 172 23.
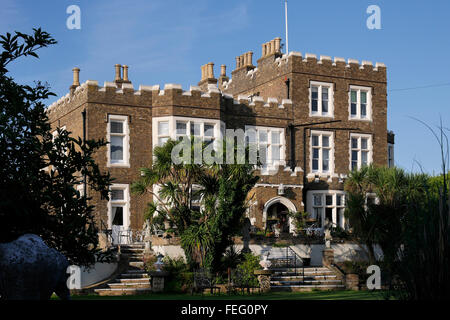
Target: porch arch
pixel 284 201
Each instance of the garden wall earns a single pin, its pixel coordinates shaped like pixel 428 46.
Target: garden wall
pixel 342 251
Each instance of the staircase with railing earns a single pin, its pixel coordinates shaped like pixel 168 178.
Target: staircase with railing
pixel 290 273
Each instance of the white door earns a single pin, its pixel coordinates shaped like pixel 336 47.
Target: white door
pixel 118 227
pixel 119 216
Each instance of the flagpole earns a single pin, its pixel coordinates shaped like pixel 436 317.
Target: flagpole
pixel 286 16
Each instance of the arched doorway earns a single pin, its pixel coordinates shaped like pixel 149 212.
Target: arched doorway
pixel 276 215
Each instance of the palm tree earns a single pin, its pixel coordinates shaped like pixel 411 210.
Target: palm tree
pixel 223 188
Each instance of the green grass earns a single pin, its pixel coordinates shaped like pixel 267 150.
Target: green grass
pixel 314 295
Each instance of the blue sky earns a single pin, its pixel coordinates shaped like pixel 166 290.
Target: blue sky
pixel 167 42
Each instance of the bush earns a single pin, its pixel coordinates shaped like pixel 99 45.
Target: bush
pixel 247 267
pixel 356 267
pixel 180 279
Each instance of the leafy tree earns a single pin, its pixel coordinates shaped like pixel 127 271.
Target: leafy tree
pixel 39 172
pixel 410 222
pixel 223 188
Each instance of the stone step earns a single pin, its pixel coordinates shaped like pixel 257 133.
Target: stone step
pixel 136 264
pixel 133 280
pixel 132 245
pixel 304 282
pixel 135 271
pixel 122 291
pixel 135 259
pixel 134 275
pixel 125 285
pixel 300 277
pixel 300 288
pixel 307 269
pixel 299 273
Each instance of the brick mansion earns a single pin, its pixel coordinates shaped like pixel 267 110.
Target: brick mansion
pixel 317 118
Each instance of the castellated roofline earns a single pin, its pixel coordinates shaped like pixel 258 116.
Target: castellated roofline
pixel 91 92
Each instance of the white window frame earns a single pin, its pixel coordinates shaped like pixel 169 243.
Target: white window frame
pixel 125 162
pixel 271 164
pixel 333 206
pixel 391 158
pixel 359 150
pixel 358 103
pixel 319 113
pixel 330 134
pixel 172 120
pixel 125 203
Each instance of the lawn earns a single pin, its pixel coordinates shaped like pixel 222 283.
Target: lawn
pixel 314 295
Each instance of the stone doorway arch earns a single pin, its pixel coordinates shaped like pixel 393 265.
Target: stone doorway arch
pixel 290 207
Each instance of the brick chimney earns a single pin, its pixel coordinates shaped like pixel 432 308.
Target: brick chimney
pixel 76 79
pixel 207 76
pixel 271 48
pixel 223 76
pixel 245 61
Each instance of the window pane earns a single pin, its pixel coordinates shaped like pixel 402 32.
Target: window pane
pixel 363 110
pixel 353 109
pixel 117 195
pixel 363 143
pixel 209 130
pixel 329 200
pixel 353 96
pixel 262 136
pixel 354 143
pixel 117 216
pixel 181 127
pixel 363 97
pixel 116 148
pixel 315 164
pixel 324 100
pixel 338 200
pixel 315 141
pixel 275 152
pixel 163 128
pixel 263 154
pixel 354 165
pixel 314 106
pixel 324 106
pixel 325 159
pixel 195 129
pixel 325 141
pixel 314 98
pixel 161 141
pixel 251 135
pixel 364 156
pixel 324 93
pixel 317 199
pixel 116 127
pixel 354 155
pixel 275 137
pixel 316 153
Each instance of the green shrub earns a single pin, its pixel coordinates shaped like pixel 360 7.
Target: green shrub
pixel 247 267
pixel 180 279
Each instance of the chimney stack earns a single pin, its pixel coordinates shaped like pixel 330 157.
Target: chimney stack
pixel 76 79
pixel 273 47
pixel 207 76
pixel 245 60
pixel 223 70
pixel 118 76
pixel 125 73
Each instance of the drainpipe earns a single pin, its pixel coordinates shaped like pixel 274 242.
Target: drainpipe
pixel 83 113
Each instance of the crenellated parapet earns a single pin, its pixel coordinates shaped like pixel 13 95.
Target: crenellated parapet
pixel 258 107
pixel 274 64
pixel 171 97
